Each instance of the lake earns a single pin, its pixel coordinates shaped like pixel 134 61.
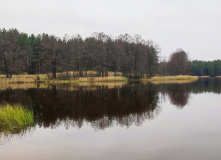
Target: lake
pixel 120 122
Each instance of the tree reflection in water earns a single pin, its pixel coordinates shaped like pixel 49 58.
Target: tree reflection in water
pixel 177 93
pixel 98 105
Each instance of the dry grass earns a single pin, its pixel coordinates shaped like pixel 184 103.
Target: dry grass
pixel 22 78
pixel 89 74
pixel 172 79
pixel 61 78
pixel 113 74
pixel 105 84
pixel 103 79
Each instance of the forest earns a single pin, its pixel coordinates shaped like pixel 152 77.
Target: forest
pixel 133 56
pixel 206 68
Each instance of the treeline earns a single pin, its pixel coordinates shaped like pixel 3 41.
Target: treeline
pixel 20 52
pixel 133 56
pixel 206 68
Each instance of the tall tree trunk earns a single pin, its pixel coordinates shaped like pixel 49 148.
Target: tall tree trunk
pixel 54 63
pixel 54 67
pixel 6 67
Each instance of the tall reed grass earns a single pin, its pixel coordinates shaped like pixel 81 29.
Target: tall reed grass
pixel 14 118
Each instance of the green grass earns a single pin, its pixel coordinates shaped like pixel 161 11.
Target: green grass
pixel 14 118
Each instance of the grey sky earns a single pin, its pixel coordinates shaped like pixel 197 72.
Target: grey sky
pixel 193 25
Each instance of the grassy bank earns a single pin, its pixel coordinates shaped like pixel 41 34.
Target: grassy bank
pixel 19 79
pixel 14 118
pixel 71 77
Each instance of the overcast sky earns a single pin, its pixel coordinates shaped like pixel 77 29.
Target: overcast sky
pixel 193 25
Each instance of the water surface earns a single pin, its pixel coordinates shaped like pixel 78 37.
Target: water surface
pixel 134 121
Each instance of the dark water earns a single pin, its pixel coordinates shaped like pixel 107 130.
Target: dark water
pixel 136 121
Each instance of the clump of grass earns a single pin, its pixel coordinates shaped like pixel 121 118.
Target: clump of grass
pixel 14 118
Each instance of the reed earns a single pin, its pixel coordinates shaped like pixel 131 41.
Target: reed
pixel 14 118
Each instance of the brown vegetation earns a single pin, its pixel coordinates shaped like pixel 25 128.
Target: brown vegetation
pixel 31 81
pixel 173 79
pixel 64 77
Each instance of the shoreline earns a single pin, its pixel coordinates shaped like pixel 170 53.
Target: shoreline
pixel 43 79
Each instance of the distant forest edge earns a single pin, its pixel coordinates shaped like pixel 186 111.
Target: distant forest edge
pixel 133 56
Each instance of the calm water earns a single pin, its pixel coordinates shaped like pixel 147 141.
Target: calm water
pixel 135 121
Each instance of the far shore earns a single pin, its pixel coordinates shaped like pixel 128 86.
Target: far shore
pixel 111 78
